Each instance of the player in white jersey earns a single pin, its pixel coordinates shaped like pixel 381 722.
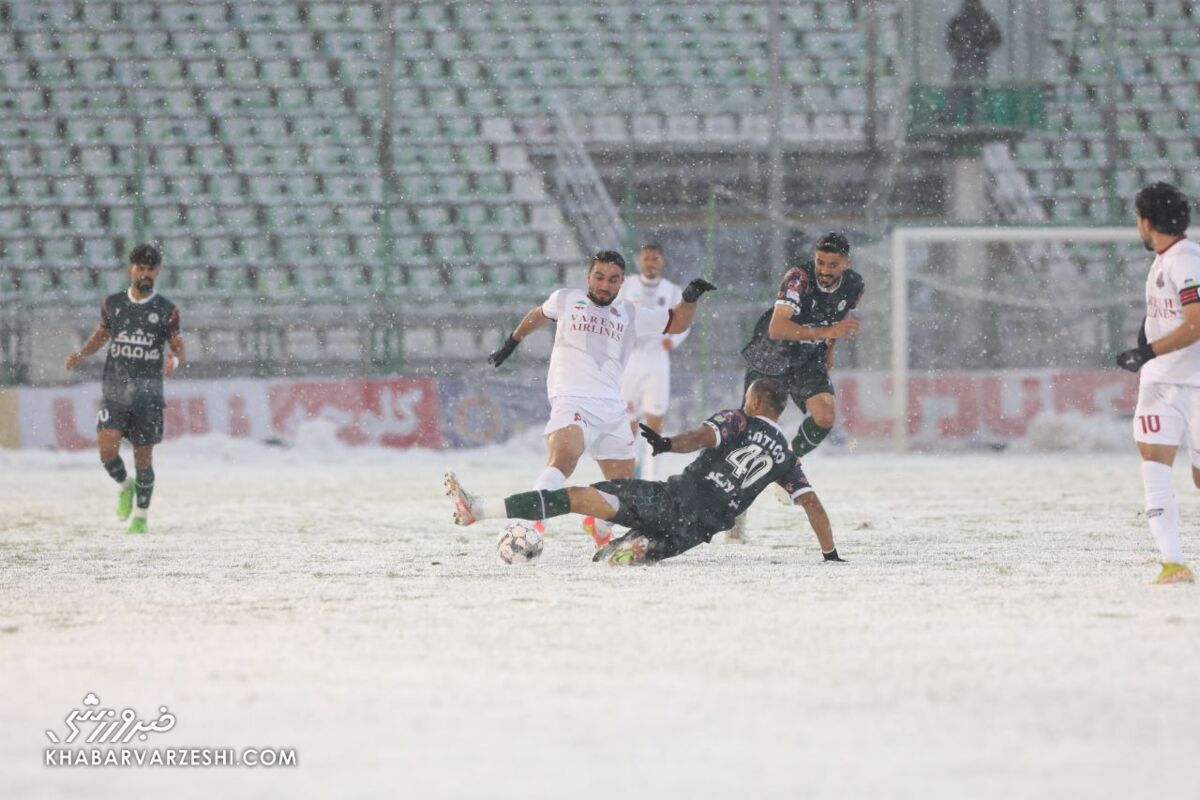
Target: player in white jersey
pixel 596 333
pixel 647 383
pixel 1168 356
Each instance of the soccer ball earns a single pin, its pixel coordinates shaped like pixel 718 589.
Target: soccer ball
pixel 519 543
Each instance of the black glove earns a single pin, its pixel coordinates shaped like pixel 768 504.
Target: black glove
pixel 698 286
pixel 658 442
pixel 1134 358
pixel 500 356
pixel 832 555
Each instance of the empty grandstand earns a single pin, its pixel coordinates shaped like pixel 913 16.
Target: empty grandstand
pixel 329 180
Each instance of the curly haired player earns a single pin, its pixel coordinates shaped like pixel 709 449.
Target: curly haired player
pixel 1168 357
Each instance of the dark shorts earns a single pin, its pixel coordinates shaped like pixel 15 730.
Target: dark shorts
pixel 141 421
pixel 651 508
pixel 800 382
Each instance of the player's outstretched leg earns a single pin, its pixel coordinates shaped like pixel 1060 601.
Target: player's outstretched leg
pixel 535 505
pixel 816 425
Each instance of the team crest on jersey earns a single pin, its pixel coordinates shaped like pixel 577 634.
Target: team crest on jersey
pixel 153 318
pixel 580 305
pixel 841 305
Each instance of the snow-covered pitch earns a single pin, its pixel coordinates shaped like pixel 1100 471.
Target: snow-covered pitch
pixel 994 634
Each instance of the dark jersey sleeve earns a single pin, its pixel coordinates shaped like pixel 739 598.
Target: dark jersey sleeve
pixel 795 482
pixel 727 424
pixel 794 287
pixel 173 323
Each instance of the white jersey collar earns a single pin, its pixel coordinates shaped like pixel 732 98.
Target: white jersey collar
pixel 147 299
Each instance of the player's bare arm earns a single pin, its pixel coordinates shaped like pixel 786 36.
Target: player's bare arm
pixel 530 323
pixel 94 343
pixel 819 520
pixel 176 357
pixel 682 314
pixel 783 329
pixel 688 442
pixel 829 345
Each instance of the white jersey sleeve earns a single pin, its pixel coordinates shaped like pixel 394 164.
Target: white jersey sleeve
pixel 1173 283
pixel 552 308
pixel 1184 272
pixel 650 321
pixel 674 299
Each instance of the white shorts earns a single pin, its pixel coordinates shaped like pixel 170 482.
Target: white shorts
pixel 1168 414
pixel 647 391
pixel 605 435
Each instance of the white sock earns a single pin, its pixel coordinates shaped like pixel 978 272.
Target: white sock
pixel 550 480
pixel 139 512
pixel 1162 512
pixel 490 508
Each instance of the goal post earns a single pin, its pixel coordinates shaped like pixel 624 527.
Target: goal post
pixel 902 277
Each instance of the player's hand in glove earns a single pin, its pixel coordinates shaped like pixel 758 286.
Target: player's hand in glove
pixel 698 286
pixel 658 442
pixel 832 555
pixel 1134 358
pixel 500 356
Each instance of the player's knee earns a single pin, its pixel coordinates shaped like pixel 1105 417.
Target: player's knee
pixel 823 414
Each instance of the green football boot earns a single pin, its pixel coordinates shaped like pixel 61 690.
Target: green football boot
pixel 139 525
pixel 125 500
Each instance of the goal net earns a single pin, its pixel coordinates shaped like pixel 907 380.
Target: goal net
pixel 992 327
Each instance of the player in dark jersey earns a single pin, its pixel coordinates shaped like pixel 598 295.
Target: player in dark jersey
pixel 745 451
pixel 794 340
pixel 141 325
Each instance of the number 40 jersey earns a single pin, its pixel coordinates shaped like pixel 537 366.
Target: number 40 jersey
pixel 750 454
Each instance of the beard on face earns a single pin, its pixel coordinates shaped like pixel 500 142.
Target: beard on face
pixel 598 301
pixel 1146 244
pixel 145 285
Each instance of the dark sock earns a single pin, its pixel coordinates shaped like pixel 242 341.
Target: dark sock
pixel 144 486
pixel 116 469
pixel 808 437
pixel 538 504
